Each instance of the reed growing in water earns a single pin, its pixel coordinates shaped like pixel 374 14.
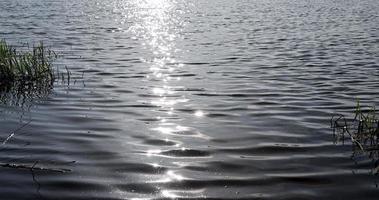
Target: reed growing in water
pixel 33 65
pixel 363 129
pixel 363 132
pixel 26 72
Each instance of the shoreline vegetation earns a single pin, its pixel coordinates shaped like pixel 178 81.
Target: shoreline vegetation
pixel 27 72
pixel 33 65
pixel 363 132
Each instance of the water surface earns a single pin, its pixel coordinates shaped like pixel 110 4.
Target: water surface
pixel 191 99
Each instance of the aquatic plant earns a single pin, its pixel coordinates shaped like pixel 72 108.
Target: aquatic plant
pixel 31 66
pixel 362 130
pixel 27 73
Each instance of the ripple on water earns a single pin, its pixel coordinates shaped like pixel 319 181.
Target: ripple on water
pixel 174 99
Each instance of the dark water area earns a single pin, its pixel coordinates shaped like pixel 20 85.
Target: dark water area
pixel 191 99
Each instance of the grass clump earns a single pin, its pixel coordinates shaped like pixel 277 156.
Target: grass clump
pixel 362 130
pixel 26 73
pixel 34 65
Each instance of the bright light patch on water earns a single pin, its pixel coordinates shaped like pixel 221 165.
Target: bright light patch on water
pixel 153 152
pixel 174 176
pixel 199 113
pixel 169 194
pixel 155 165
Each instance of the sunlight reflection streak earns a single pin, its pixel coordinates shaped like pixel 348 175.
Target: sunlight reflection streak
pixel 158 26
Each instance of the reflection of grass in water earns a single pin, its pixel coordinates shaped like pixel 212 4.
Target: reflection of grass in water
pixel 362 130
pixel 19 94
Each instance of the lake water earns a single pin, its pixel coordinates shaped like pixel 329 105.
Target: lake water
pixel 191 99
